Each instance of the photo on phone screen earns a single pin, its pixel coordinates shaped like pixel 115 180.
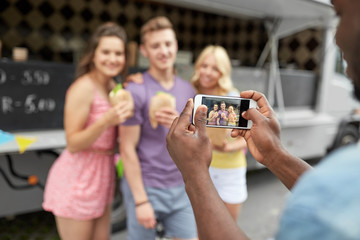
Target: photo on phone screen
pixel 225 112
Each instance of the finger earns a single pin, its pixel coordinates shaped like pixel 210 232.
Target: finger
pixel 184 119
pixel 161 116
pixel 149 223
pixel 121 105
pixel 191 128
pixel 234 133
pixel 200 120
pixel 239 132
pixel 250 94
pixel 260 98
pixel 138 78
pixel 170 134
pixel 167 110
pixel 172 129
pixel 153 223
pixel 125 110
pixel 262 103
pixel 254 115
pixel 146 224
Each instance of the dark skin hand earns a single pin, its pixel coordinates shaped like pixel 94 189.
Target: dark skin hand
pixel 263 141
pixel 265 128
pixel 184 135
pixel 212 218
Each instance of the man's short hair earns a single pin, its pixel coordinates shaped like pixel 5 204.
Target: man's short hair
pixel 155 24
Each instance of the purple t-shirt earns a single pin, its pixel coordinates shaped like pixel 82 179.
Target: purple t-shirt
pixel 222 121
pixel 157 167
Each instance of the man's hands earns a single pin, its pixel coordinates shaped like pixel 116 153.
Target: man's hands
pixel 263 139
pixel 190 148
pixel 189 145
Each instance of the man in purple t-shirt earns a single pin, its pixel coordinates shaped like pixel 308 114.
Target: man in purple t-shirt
pixel 223 115
pixel 153 187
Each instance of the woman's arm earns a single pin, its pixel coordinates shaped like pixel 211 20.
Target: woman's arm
pixel 236 145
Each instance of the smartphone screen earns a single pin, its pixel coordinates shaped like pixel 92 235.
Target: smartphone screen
pixel 226 111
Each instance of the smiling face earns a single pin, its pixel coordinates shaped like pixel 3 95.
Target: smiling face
pixel 231 109
pixel 216 107
pixel 160 47
pixel 223 106
pixel 109 56
pixel 348 37
pixel 209 73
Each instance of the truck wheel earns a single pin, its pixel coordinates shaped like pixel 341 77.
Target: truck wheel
pixel 348 135
pixel 118 213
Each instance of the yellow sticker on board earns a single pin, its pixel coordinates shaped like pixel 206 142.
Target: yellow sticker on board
pixel 24 142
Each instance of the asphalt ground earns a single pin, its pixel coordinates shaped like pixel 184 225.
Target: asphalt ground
pixel 32 226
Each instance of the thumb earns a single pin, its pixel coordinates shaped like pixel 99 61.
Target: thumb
pixel 254 115
pixel 200 119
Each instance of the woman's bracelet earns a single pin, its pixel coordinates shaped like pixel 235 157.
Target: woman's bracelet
pixel 141 203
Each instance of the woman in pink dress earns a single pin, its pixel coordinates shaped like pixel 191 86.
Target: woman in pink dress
pixel 80 185
pixel 213 115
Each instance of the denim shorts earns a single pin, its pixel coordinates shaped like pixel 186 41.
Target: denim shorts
pixel 172 208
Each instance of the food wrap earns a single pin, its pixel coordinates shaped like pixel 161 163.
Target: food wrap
pixel 118 94
pixel 160 100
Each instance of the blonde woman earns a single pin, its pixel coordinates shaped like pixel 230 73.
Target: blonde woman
pixel 232 116
pixel 228 166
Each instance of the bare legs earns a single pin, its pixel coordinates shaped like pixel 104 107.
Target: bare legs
pixel 95 229
pixel 234 209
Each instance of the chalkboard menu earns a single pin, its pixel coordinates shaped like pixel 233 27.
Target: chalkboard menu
pixel 32 95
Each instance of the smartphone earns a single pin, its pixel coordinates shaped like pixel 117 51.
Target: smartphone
pixel 224 111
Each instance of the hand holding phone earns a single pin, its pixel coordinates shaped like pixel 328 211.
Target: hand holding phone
pixel 224 111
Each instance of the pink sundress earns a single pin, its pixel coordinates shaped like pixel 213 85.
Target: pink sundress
pixel 80 185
